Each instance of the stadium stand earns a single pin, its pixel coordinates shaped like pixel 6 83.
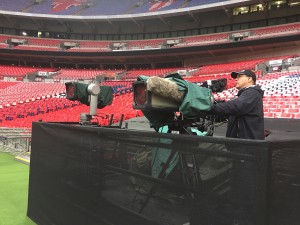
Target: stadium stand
pixel 41 44
pixel 16 71
pixel 277 30
pixel 44 42
pixel 36 48
pixel 93 7
pixel 40 100
pixel 204 40
pixel 279 87
pixel 133 74
pixel 17 6
pixel 84 74
pixel 119 87
pixel 197 38
pixel 94 44
pixel 77 74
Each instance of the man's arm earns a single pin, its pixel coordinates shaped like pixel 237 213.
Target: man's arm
pixel 239 106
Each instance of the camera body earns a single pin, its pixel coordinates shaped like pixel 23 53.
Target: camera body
pixel 93 95
pixel 191 111
pixel 144 99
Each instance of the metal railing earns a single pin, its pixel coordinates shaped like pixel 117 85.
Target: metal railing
pixel 15 140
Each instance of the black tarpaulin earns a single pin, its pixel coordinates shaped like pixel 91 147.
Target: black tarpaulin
pixel 84 175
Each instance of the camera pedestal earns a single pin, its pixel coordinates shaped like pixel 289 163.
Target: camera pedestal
pixel 85 118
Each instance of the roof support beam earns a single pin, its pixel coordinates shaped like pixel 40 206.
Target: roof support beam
pixel 196 18
pixel 141 27
pixel 251 48
pixel 64 24
pixel 166 23
pixel 227 11
pixel 38 22
pixel 115 26
pixel 211 53
pixel 89 25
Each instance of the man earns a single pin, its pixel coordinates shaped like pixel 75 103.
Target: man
pixel 246 118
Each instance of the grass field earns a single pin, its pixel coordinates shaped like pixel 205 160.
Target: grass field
pixel 14 178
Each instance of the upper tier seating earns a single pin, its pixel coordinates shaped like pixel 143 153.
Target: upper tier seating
pixel 204 40
pixel 36 44
pixel 96 7
pixel 142 44
pixel 44 42
pixel 94 44
pixel 287 28
pixel 37 48
pixel 40 44
pixel 203 2
pixel 236 66
pixel 14 5
pixel 91 46
pixel 80 49
pixel 3 38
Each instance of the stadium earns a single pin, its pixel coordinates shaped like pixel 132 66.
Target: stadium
pixel 57 170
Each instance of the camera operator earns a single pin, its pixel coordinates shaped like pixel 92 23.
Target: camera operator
pixel 246 121
pixel 246 118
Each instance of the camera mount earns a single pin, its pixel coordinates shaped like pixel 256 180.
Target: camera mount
pixel 94 92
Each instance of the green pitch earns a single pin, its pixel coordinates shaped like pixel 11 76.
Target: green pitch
pixel 14 177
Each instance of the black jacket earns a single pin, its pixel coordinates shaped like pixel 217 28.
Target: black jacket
pixel 246 117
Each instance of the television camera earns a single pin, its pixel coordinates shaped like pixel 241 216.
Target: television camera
pixel 178 104
pixel 92 95
pixel 174 105
pixel 182 107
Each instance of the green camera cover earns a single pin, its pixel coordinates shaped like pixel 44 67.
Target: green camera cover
pixel 81 94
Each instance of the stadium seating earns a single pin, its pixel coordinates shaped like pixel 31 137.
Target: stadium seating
pixel 86 74
pixel 287 28
pixel 133 74
pixel 37 48
pixel 94 44
pixel 204 40
pixel 119 87
pixel 77 74
pixel 145 44
pixel 93 7
pixel 20 92
pixel 24 102
pixel 80 49
pixel 3 38
pixel 44 42
pixel 201 2
pixel 40 44
pixel 4 85
pixel 16 71
pixel 18 6
pixel 38 101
